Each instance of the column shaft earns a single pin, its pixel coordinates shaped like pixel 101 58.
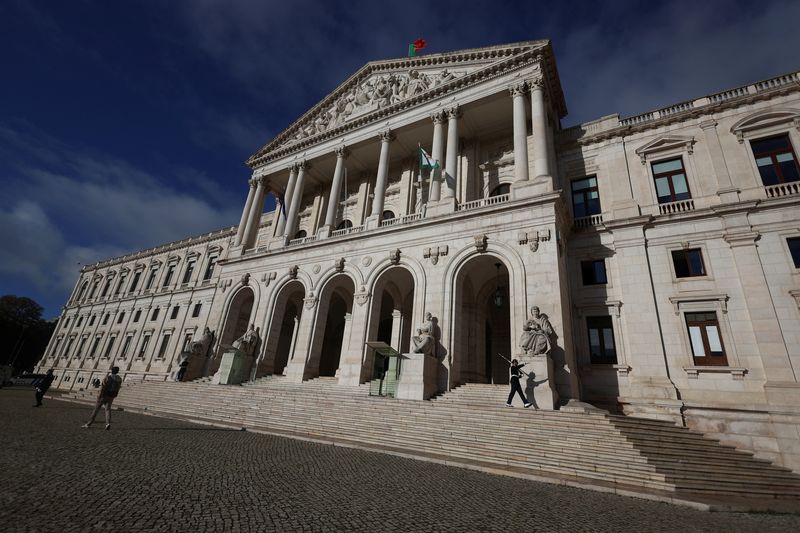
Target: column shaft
pixel 437 153
pixel 520 133
pixel 451 169
pixel 336 187
pixel 383 175
pixel 287 200
pixel 294 206
pixel 245 213
pixel 541 165
pixel 254 218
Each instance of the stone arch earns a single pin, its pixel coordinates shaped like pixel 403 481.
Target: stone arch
pixel 332 320
pixel 281 324
pixel 454 283
pixel 240 308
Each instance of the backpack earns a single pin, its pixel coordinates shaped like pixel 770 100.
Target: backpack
pixel 113 385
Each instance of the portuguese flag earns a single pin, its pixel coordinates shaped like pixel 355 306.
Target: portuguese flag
pixel 419 44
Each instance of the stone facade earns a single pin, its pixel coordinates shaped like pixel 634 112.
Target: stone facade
pixel 660 255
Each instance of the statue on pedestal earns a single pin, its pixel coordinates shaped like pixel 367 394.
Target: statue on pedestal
pixel 537 333
pixel 247 343
pixel 201 347
pixel 424 342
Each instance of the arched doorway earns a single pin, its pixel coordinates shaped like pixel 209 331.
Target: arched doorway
pixel 280 338
pixel 481 322
pixel 333 319
pixel 237 319
pixel 391 316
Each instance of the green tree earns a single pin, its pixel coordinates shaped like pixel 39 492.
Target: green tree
pixel 23 333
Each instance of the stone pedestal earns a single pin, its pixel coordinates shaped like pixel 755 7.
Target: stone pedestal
pixel 234 367
pixel 324 232
pixel 445 206
pixel 417 377
pixel 531 188
pixel 539 385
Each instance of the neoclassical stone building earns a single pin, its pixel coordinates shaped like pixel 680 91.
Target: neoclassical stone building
pixel 664 248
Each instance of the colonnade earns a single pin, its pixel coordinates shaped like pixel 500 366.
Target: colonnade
pixel 443 181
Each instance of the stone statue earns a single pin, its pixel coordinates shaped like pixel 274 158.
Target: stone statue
pixel 201 347
pixel 443 78
pixel 247 343
pixel 418 83
pixel 536 334
pixel 424 342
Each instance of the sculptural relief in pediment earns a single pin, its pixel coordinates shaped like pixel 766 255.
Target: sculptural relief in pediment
pixel 376 92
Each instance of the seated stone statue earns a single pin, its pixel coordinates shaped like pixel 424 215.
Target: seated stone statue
pixel 424 342
pixel 536 334
pixel 247 342
pixel 201 347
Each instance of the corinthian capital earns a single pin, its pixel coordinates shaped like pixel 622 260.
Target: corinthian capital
pixel 386 136
pixel 253 182
pixel 518 89
pixel 537 83
pixel 454 112
pixel 437 117
pixel 341 151
pixel 303 165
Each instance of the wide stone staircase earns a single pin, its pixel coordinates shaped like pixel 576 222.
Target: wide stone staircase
pixel 470 427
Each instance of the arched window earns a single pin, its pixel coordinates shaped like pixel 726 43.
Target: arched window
pixel 300 234
pixel 503 188
pixel 387 215
pixel 344 224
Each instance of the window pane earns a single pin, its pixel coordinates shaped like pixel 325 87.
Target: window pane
pixel 582 184
pixel 594 207
pixel 771 144
pixel 714 343
pixel 600 272
pixel 697 341
pixel 594 341
pixel 768 175
pixel 679 184
pixel 680 263
pixel 764 161
pixel 696 260
pixel 794 249
pixel 784 157
pixel 608 340
pixel 662 188
pixel 789 171
pixel 667 166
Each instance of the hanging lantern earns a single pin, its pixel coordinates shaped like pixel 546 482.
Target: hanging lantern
pixel 498 293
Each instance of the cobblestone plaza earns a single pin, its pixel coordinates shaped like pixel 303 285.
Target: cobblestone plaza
pixel 155 474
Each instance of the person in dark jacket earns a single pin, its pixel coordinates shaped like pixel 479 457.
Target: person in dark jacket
pixel 514 371
pixel 42 385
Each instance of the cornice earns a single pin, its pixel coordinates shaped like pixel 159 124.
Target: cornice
pixel 511 59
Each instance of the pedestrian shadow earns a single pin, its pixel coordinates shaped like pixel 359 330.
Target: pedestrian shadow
pixel 208 429
pixel 530 385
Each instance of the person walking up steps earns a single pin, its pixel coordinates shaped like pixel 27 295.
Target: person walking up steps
pixel 108 391
pixel 515 370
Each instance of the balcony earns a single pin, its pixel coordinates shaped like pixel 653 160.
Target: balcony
pixel 302 240
pixel 401 220
pixel 588 222
pixel 484 202
pixel 779 190
pixel 347 231
pixel 681 206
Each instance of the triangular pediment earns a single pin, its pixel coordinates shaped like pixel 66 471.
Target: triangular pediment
pixel 665 143
pixel 382 88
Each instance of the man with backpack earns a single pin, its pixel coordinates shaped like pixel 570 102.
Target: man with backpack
pixel 108 391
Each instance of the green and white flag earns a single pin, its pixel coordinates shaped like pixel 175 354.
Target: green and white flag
pixel 426 161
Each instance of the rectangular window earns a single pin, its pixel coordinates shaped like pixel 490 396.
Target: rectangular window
pixel 189 270
pixel 155 314
pixel 168 277
pixel 210 268
pixel 174 314
pixel 125 346
pixel 794 249
pixel 91 320
pixel 135 281
pixel 68 347
pixel 120 284
pixel 137 315
pixel 105 319
pixel 120 317
pixel 196 310
pixel 775 160
pixel 151 279
pixel 585 197
pixel 594 272
pixel 706 341
pixel 145 341
pixel 81 345
pixel 54 352
pixel 602 349
pixel 109 347
pixel 94 289
pixel 186 340
pixel 80 321
pixel 105 288
pixel 66 323
pixel 670 178
pixel 164 344
pixel 95 344
pixel 688 263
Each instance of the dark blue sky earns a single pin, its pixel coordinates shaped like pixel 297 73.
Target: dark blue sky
pixel 125 124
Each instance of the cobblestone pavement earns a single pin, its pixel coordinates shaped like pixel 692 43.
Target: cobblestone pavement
pixel 155 474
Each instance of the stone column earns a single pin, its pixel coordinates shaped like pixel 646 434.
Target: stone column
pixel 296 370
pixel 541 164
pixel 297 197
pixel 437 153
pixel 397 330
pixel 351 364
pixel 287 198
pixel 451 169
pixel 336 189
pixel 374 219
pixel 520 133
pixel 726 191
pixel 251 233
pixel 245 213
